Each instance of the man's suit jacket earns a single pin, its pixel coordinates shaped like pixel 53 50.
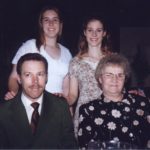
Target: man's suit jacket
pixel 55 128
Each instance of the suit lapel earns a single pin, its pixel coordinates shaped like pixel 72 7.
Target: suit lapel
pixel 46 114
pixel 20 119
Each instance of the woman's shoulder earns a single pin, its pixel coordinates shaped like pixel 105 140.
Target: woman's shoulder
pixel 138 97
pixel 28 46
pixel 76 60
pixel 30 42
pixel 139 101
pixel 63 48
pixel 90 105
pixel 65 51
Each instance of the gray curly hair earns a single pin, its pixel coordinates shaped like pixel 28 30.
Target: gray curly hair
pixel 113 59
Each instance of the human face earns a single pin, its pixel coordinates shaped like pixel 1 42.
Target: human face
pixel 51 24
pixel 94 33
pixel 112 80
pixel 33 79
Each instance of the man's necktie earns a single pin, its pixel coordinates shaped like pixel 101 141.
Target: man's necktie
pixel 35 117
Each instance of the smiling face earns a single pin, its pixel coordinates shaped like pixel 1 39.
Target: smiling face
pixel 94 33
pixel 33 78
pixel 51 24
pixel 112 80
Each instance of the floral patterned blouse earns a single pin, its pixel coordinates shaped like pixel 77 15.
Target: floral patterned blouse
pixel 84 71
pixel 125 121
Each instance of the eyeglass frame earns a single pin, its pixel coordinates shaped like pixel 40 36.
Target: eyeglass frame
pixel 119 76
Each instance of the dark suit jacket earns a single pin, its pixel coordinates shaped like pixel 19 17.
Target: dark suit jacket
pixel 55 128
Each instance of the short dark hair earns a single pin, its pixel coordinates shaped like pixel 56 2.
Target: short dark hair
pixel 31 56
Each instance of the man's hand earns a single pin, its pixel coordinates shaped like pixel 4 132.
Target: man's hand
pixel 58 94
pixel 9 95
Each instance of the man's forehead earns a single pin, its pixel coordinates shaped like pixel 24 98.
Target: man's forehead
pixel 34 65
pixel 32 62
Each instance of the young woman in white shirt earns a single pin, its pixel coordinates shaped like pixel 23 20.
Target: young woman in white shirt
pixel 50 27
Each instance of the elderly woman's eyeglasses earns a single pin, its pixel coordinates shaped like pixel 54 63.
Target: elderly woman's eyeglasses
pixel 119 76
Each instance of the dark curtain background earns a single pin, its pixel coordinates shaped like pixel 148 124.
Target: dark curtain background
pixel 19 23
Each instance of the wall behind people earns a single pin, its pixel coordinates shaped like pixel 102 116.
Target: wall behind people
pixel 17 22
pixel 135 45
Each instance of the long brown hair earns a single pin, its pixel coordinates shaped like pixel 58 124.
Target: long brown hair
pixel 40 40
pixel 83 45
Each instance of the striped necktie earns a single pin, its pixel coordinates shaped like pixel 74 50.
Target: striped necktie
pixel 35 117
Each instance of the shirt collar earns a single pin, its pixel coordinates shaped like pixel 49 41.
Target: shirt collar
pixel 27 103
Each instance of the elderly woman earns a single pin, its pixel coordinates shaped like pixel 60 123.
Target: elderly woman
pixel 117 115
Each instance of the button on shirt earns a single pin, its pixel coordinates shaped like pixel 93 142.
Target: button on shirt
pixel 27 104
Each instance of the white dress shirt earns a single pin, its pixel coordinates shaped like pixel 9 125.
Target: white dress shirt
pixel 27 104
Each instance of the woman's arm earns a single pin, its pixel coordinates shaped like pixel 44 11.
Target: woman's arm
pixel 73 90
pixel 13 85
pixel 66 86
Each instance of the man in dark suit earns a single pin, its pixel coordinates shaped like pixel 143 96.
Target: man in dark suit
pixel 49 126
